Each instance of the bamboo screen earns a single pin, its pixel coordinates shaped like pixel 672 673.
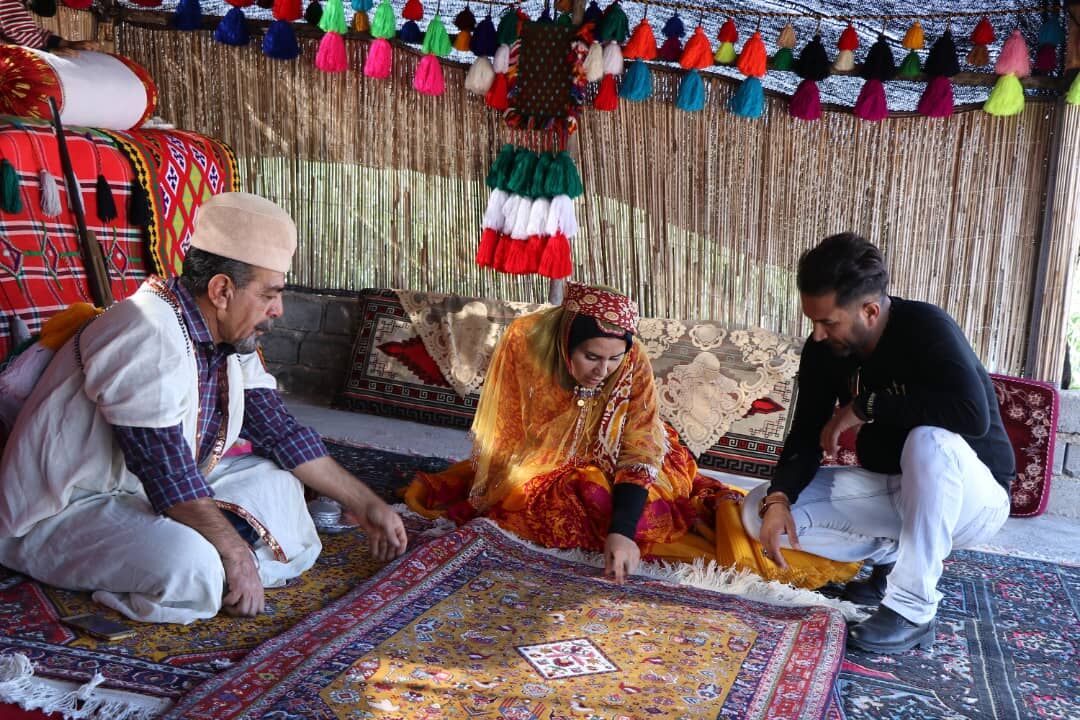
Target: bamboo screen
pixel 698 215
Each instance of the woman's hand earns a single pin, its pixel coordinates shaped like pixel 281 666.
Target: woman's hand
pixel 68 48
pixel 621 557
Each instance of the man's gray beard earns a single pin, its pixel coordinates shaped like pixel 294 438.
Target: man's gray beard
pixel 248 345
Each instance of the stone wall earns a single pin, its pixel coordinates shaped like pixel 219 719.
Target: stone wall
pixel 309 349
pixel 1065 488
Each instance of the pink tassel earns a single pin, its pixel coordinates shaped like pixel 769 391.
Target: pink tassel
pixel 806 102
pixel 871 103
pixel 331 57
pixel 1046 59
pixel 1014 57
pixel 429 76
pixel 379 59
pixel 937 99
pixel 555 262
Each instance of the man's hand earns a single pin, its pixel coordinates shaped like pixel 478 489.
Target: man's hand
pixel 778 521
pixel 244 595
pixel 68 48
pixel 384 530
pixel 621 556
pixel 842 420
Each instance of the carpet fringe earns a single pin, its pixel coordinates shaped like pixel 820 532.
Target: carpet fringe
pixel 1023 554
pixel 18 686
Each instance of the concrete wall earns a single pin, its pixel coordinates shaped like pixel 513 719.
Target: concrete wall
pixel 310 347
pixel 310 350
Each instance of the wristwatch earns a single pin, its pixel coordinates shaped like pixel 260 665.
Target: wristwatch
pixel 772 499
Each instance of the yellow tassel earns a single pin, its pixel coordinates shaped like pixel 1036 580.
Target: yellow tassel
pixel 914 38
pixel 461 41
pixel 360 22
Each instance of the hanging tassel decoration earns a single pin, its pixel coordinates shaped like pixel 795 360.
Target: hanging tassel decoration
pixel 1051 37
pixel 429 76
pixel 478 80
pixel 594 63
pixel 279 42
pixel 50 194
pixel 847 45
pixel 607 98
pixel 362 5
pixel 410 33
pixel 784 58
pixel 1073 96
pixel 484 40
pixel 593 13
pixel 10 197
pixel 812 66
pixel 673 32
pixel 642 43
pixel 287 10
pixel 728 35
pixel 982 36
pixel 331 57
pixel 561 226
pixel 106 204
pixel 614 25
pixel 941 64
pixel 436 39
pixel 1014 62
pixel 749 99
pixel 188 16
pixel 380 55
pixel 360 23
pixel 637 85
pixel 497 95
pixel 696 55
pixel 691 96
pixel 465 22
pixel 914 40
pixel 232 30
pixel 138 210
pixel 313 14
pixel 413 10
pixel 879 66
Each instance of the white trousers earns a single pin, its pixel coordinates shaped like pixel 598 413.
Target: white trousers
pixel 154 569
pixel 944 498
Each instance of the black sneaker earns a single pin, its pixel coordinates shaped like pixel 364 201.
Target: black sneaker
pixel 869 591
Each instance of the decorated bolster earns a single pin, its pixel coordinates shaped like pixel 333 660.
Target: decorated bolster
pixel 627 504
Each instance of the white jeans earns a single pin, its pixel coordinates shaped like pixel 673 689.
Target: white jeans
pixel 943 498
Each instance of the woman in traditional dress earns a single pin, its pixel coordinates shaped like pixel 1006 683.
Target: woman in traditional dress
pixel 569 451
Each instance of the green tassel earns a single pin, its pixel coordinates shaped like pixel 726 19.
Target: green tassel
pixel 910 68
pixel 436 40
pixel 11 200
pixel 783 59
pixel 385 24
pixel 572 180
pixel 614 25
pixel 725 54
pixel 1073 96
pixel 508 27
pixel 554 178
pixel 333 18
pixel 539 177
pixel 520 181
pixel 500 169
pixel 565 19
pixel 1007 97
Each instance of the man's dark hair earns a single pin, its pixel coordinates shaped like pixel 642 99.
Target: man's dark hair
pixel 846 264
pixel 200 266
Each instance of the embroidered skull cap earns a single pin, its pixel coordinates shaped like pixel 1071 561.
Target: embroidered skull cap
pixel 246 227
pixel 606 305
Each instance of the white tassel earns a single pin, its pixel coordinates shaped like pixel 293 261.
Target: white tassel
pixel 561 217
pixel 502 59
pixel 613 59
pixel 594 63
pixel 520 231
pixel 845 61
pixel 50 194
pixel 493 216
pixel 509 213
pixel 551 224
pixel 538 216
pixel 480 77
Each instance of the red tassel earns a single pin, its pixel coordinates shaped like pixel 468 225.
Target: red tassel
pixel 671 50
pixel 287 10
pixel 413 10
pixel 535 252
pixel 937 99
pixel 379 59
pixel 983 34
pixel 485 254
pixel 871 103
pixel 496 95
pixel 608 97
pixel 1046 59
pixel 849 39
pixel 806 102
pixel 501 250
pixel 517 257
pixel 555 262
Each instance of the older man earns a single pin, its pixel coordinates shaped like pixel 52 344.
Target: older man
pixel 115 480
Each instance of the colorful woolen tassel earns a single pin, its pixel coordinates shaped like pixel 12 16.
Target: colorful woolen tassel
pixel 673 31
pixel 1007 97
pixel 749 100
pixel 288 10
pixel 497 95
pixel 607 98
pixel 691 92
pixel 280 41
pixel 379 60
pixel 594 63
pixel 232 30
pixel 478 80
pixel 10 197
pixel 138 209
pixel 410 33
pixel 847 45
pixel 642 43
pixel 878 66
pixel 49 193
pixel 104 201
pixel 914 40
pixel 331 56
pixel 1051 36
pixel 465 22
pixel 1073 96
pixel 982 36
pixel 484 40
pixel 436 39
pixel 637 84
pixel 429 76
pixel 614 26
pixel 413 10
pixel 188 16
pixel 313 14
pixel 727 36
pixel 362 5
pixel 385 24
pixel 812 66
pixel 698 53
pixel 360 23
pixel 941 64
pixel 784 58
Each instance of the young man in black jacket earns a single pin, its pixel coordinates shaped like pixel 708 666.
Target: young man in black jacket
pixel 936 463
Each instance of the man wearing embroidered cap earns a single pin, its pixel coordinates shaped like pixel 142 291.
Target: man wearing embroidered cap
pixel 115 478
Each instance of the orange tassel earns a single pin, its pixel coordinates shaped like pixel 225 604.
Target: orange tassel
pixel 461 41
pixel 698 52
pixel 608 97
pixel 642 43
pixel 753 58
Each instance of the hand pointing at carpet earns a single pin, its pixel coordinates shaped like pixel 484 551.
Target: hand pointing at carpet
pixel 385 531
pixel 621 557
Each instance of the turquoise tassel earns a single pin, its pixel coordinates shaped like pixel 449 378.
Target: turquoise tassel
pixel 637 83
pixel 691 92
pixel 749 100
